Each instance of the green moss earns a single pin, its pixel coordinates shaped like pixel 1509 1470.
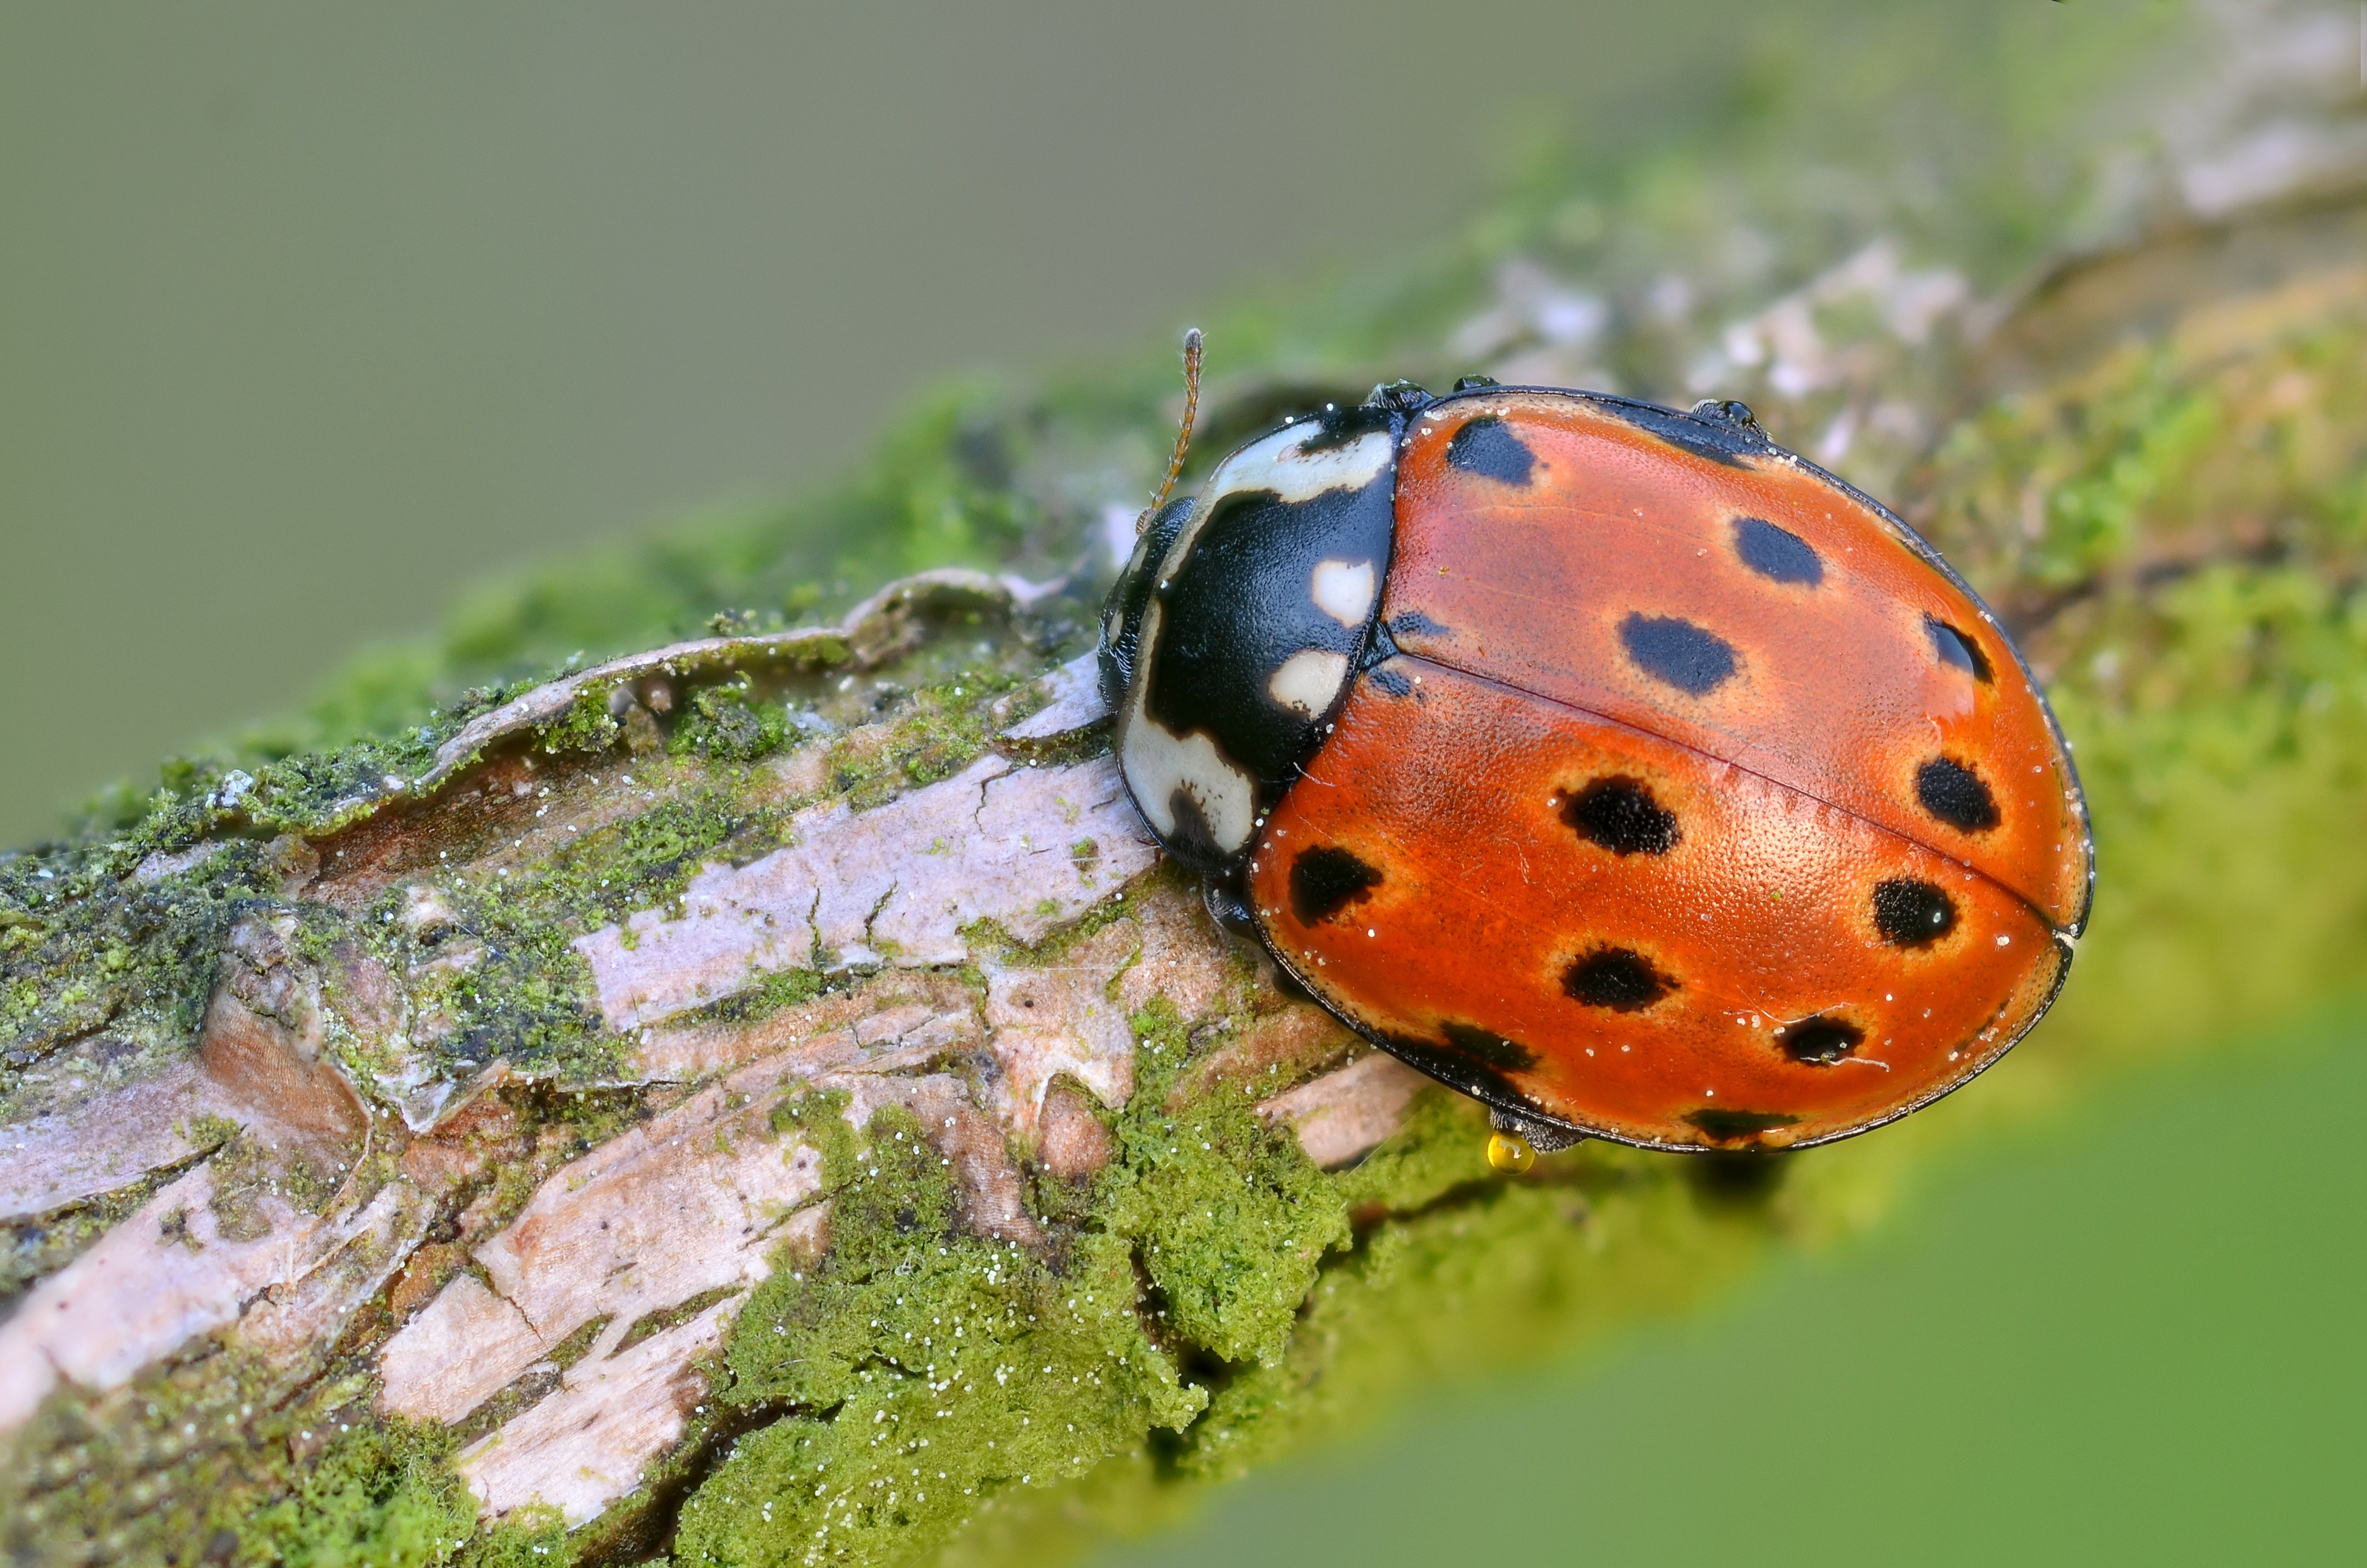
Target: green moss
pixel 670 1317
pixel 586 726
pixel 576 1346
pixel 531 1537
pixel 527 997
pixel 382 1496
pixel 1228 1216
pixel 1514 1273
pixel 1440 1147
pixel 213 1454
pixel 248 1171
pixel 943 729
pixel 2211 674
pixel 84 948
pixel 922 1368
pixel 781 988
pixel 724 724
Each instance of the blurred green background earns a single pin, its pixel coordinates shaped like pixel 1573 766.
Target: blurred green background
pixel 2130 1335
pixel 309 317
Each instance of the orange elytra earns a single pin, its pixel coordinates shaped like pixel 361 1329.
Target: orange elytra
pixel 1607 763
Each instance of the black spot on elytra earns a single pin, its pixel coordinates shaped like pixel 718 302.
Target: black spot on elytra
pixel 1819 1041
pixel 1392 682
pixel 1911 913
pixel 1951 646
pixel 1504 1055
pixel 1955 794
pixel 1728 1125
pixel 1617 978
pixel 1413 623
pixel 1777 554
pixel 1456 1069
pixel 1325 881
pixel 1487 446
pixel 1693 661
pixel 1620 814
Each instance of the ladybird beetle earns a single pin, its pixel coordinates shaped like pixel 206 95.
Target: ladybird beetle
pixel 1609 764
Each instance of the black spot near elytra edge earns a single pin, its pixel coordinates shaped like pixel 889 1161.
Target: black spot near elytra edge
pixel 1487 446
pixel 1620 814
pixel 1327 880
pixel 1617 978
pixel 1819 1041
pixel 1413 623
pixel 1716 1121
pixel 1955 794
pixel 1911 913
pixel 1777 554
pixel 1456 1069
pixel 1504 1055
pixel 1392 682
pixel 1693 661
pixel 1951 646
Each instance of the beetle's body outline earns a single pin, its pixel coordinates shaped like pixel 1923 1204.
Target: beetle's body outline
pixel 1275 629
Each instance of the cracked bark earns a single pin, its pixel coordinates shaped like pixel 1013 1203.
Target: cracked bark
pixel 705 1197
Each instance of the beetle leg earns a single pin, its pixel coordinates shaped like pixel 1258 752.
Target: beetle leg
pixel 1227 907
pixel 1542 1136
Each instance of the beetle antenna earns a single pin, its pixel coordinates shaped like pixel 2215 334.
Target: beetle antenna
pixel 1183 435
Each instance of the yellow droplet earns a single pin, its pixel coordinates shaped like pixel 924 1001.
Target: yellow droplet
pixel 1510 1152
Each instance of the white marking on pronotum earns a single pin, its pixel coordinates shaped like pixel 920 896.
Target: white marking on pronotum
pixel 1158 762
pixel 1294 473
pixel 1277 462
pixel 1309 680
pixel 1344 590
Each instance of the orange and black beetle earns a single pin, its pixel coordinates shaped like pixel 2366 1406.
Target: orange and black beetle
pixel 1609 764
